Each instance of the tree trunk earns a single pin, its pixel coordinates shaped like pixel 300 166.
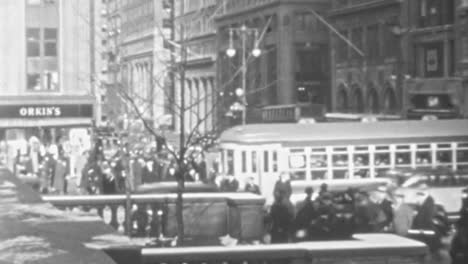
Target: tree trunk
pixel 180 210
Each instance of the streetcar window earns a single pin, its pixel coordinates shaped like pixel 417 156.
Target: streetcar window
pixel 444 146
pixel 244 161
pixel 403 158
pixel 298 175
pixel 340 160
pixel 362 148
pixel 265 161
pixel 297 150
pixel 340 174
pixel 275 161
pixel 319 174
pixel 318 160
pixel 425 146
pixel 462 155
pixel 381 148
pixel 254 161
pixel 382 159
pixel 297 161
pixel 462 145
pixel 230 162
pixel 444 156
pixel 361 159
pixel 340 149
pixel 423 158
pixel 403 147
pixel 319 150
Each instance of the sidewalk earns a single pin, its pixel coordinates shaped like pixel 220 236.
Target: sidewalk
pixel 36 232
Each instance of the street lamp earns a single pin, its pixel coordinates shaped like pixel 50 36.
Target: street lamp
pixel 243 31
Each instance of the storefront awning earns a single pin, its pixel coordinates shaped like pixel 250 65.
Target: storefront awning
pixel 56 122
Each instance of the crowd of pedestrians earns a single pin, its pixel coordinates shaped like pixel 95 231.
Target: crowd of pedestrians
pixel 337 215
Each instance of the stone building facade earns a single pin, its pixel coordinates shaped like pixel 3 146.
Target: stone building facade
pixel 294 64
pixel 412 62
pixel 367 82
pixel 50 60
pixel 144 60
pixel 197 19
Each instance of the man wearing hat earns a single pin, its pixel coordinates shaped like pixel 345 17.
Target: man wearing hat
pixel 386 207
pixel 402 216
pixel 423 221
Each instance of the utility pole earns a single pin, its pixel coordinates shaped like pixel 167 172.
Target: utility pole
pixel 180 174
pixel 92 61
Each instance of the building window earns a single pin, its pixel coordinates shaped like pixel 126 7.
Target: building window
pixel 41 46
pixel 305 21
pixel 33 42
pixel 356 37
pixel 342 47
pixel 391 42
pixel 50 42
pixel 436 12
pixel 434 60
pixel 464 43
pixel 372 42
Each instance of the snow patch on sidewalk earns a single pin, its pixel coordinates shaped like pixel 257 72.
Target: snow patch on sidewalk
pixel 27 249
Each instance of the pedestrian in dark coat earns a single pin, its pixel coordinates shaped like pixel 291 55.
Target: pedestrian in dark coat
pixel 229 184
pixel 459 245
pixel 386 207
pixel 283 186
pixel 306 211
pixel 282 219
pixel 423 220
pixel 251 187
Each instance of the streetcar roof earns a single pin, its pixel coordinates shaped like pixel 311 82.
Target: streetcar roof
pixel 349 133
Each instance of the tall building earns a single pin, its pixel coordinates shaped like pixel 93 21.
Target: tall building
pixel 366 58
pixel 113 109
pixel 48 72
pixel 411 62
pixel 197 19
pixel 462 44
pixel 293 66
pixel 435 88
pixel 144 58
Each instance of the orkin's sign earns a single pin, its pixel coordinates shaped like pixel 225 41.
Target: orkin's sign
pixel 42 111
pixel 47 111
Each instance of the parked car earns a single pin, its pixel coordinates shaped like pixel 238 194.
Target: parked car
pixel 445 189
pixel 401 175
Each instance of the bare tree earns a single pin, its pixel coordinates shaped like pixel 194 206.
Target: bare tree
pixel 137 105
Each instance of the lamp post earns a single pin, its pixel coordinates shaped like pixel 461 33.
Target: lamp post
pixel 243 31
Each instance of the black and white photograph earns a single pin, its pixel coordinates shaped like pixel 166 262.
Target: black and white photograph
pixel 234 132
